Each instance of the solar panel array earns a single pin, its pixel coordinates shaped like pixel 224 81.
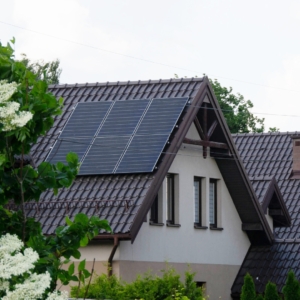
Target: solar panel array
pixel 118 136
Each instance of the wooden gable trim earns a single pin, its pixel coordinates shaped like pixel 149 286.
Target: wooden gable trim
pixel 236 163
pixel 282 212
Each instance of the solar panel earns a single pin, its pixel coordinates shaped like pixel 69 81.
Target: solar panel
pixel 118 137
pixel 86 119
pixel 152 135
pixel 162 115
pixel 103 155
pixel 123 118
pixel 79 130
pixel 143 153
pixel 63 146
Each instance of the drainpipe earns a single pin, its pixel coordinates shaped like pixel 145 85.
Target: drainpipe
pixel 112 254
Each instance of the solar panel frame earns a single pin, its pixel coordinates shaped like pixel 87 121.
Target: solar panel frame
pixel 120 136
pixel 169 115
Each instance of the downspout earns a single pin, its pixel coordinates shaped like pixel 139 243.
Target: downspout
pixel 112 254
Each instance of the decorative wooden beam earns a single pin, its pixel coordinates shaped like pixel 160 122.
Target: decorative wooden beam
pixel 199 128
pixel 205 143
pixel 252 226
pixel 212 129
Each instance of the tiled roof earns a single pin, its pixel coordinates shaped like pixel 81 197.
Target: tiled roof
pixel 266 156
pixel 116 198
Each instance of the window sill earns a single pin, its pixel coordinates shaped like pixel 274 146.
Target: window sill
pixel 169 224
pixel 156 224
pixel 216 228
pixel 198 226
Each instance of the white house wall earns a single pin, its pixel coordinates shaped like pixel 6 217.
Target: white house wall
pixel 207 249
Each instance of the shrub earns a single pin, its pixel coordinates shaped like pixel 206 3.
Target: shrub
pixel 248 289
pixel 271 292
pixel 291 290
pixel 146 287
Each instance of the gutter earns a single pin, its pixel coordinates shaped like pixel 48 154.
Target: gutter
pixel 112 254
pixel 116 237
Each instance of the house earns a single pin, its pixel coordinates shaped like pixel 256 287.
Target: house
pixel 272 161
pixel 159 163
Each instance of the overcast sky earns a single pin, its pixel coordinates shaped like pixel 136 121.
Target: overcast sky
pixel 252 46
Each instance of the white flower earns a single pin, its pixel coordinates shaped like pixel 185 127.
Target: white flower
pixel 9 244
pixel 15 263
pixel 10 116
pixel 7 90
pixel 32 288
pixel 58 296
pixel 4 285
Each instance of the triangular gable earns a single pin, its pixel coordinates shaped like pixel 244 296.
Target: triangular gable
pixel 206 114
pixel 271 200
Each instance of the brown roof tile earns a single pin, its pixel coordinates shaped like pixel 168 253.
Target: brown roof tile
pixel 265 155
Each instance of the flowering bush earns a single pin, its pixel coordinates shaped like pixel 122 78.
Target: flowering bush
pixel 10 115
pixel 17 280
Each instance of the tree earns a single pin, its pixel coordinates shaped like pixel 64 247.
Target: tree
pixel 291 290
pixel 27 111
pixel 48 71
pixel 236 110
pixel 248 288
pixel 271 292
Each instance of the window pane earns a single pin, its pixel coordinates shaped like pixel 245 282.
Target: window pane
pixel 170 197
pixel 212 202
pixel 154 211
pixel 197 200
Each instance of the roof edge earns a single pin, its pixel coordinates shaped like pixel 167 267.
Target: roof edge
pixel 108 83
pixel 233 149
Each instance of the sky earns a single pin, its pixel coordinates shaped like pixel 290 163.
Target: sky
pixel 251 46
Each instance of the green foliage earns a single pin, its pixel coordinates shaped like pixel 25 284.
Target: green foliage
pixel 21 182
pixel 260 297
pixel 236 110
pixel 291 290
pixel 48 71
pixel 146 287
pixel 271 292
pixel 248 289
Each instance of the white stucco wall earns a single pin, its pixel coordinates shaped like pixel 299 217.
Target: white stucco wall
pixel 186 244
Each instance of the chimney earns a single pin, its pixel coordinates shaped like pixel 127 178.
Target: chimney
pixel 296 157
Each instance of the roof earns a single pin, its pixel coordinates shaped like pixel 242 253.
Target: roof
pixel 266 156
pixel 124 200
pixel 116 198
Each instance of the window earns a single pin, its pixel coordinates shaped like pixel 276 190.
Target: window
pixel 170 199
pixel 197 201
pixel 213 203
pixel 154 211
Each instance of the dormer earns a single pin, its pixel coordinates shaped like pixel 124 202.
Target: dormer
pixel 271 201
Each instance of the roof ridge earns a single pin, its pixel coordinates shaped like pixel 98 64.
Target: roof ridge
pixel 149 81
pixel 266 133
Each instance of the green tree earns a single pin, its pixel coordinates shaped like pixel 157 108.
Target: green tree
pixel 271 292
pixel 260 297
pixel 291 290
pixel 48 71
pixel 248 289
pixel 27 111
